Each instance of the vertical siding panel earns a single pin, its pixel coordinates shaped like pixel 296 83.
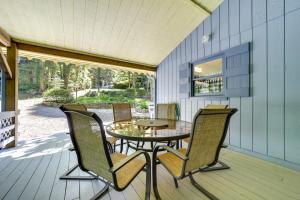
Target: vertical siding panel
pixel 292 92
pixel 159 84
pixel 165 81
pixel 200 103
pixel 174 77
pixel 259 12
pixel 276 88
pixel 247 102
pixel 224 44
pixel 224 20
pixel 245 15
pixel 182 52
pixel 194 107
pixel 260 89
pixel 188 110
pixel 182 110
pixel 234 19
pixel 206 102
pixel 194 45
pixel 235 134
pixel 200 45
pixel 178 62
pixel 170 78
pixel 291 5
pixel 216 31
pixel 188 50
pixel 275 8
pixel 234 29
pixel 183 60
pixel 207 31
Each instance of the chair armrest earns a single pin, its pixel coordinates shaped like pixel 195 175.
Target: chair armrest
pixel 123 162
pixel 176 153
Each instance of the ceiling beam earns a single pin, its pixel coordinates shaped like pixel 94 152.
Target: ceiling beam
pixel 4 38
pixel 81 56
pixel 201 6
pixel 4 65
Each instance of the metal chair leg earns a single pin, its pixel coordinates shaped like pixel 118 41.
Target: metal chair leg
pixel 202 189
pixel 214 168
pixel 127 147
pixel 154 175
pixel 175 182
pixel 148 178
pixel 121 145
pixel 101 192
pixel 152 145
pixel 66 176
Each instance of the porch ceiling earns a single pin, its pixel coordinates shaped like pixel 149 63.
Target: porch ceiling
pixel 140 31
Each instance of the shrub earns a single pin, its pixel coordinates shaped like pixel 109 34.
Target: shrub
pixel 130 92
pixel 113 92
pixel 58 96
pixel 141 92
pixel 120 85
pixel 142 104
pixel 91 94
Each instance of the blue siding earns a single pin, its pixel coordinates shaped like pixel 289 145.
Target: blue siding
pixel 268 122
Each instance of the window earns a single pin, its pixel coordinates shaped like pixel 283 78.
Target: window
pixel 207 77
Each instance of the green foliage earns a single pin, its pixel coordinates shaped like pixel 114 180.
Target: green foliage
pixel 142 104
pixel 113 92
pixel 130 92
pixel 120 85
pixel 141 92
pixel 37 76
pixel 91 94
pixel 58 96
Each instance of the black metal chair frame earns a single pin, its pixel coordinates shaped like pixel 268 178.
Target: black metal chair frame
pixel 185 158
pixel 114 168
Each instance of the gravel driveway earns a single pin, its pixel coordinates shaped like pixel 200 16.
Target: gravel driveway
pixel 36 119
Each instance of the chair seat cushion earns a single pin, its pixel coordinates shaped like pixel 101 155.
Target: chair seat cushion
pixel 129 171
pixel 172 162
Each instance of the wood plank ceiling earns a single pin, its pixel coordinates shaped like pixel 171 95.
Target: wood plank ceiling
pixel 141 31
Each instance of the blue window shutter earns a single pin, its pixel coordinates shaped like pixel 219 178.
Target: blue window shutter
pixel 237 71
pixel 185 80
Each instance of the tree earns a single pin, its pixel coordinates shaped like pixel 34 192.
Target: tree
pixel 65 72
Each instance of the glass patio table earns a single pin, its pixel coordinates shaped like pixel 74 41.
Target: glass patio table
pixel 150 130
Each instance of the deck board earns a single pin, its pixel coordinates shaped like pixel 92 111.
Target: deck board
pixel 35 172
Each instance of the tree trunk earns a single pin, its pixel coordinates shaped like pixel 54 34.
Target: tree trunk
pixel 42 76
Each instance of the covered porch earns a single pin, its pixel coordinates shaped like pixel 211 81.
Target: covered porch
pixel 237 53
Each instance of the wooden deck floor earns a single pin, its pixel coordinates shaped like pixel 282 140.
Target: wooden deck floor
pixel 32 170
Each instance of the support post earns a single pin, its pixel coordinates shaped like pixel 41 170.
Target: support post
pixel 11 96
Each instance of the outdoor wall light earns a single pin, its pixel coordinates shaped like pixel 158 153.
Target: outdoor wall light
pixel 206 38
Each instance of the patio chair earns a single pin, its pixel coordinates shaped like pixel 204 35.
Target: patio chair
pixel 81 107
pixel 166 111
pixel 221 164
pixel 116 170
pixel 122 113
pixel 111 140
pixel 208 133
pixel 210 106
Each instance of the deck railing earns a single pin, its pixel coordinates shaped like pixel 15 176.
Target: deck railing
pixel 7 128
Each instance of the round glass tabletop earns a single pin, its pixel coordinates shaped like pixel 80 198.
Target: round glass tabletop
pixel 145 130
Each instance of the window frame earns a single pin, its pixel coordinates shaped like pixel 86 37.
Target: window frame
pixel 222 75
